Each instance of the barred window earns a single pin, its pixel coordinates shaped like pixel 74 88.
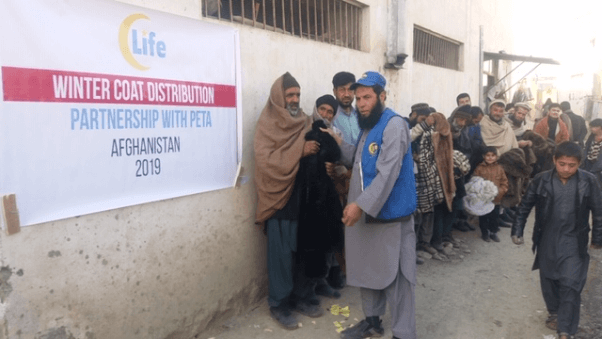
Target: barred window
pixel 337 22
pixel 436 50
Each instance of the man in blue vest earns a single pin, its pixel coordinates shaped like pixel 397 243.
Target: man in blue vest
pixel 380 240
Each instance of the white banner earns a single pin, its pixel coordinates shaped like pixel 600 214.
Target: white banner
pixel 106 105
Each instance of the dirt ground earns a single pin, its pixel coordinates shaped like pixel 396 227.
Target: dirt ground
pixel 485 291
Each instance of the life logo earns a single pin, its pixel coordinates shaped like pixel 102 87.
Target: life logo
pixel 139 45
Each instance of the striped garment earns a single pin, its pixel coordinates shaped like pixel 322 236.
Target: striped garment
pixel 594 151
pixel 429 190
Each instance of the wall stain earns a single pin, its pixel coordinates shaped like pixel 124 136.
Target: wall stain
pixel 55 333
pixel 5 287
pixel 53 254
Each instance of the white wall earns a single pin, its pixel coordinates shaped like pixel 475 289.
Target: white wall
pixel 169 269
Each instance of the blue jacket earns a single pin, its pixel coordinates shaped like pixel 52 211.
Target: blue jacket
pixel 402 200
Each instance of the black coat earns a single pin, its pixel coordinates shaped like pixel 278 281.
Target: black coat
pixel 594 167
pixel 320 227
pixel 539 194
pixel 579 128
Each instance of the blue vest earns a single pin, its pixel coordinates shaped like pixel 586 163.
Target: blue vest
pixel 402 200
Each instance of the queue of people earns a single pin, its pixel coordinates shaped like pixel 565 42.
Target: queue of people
pixel 356 195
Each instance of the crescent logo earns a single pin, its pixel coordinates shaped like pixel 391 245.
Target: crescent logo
pixel 143 44
pixel 373 148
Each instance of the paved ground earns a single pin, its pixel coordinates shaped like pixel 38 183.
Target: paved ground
pixel 486 291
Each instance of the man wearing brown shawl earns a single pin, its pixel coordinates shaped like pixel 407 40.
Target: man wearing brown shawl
pixel 279 146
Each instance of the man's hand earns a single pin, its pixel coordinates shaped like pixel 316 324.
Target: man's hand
pixel 517 240
pixel 595 246
pixel 351 214
pixel 336 137
pixel 525 143
pixel 311 147
pixel 330 169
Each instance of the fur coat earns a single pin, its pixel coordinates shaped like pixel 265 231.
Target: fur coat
pixel 518 172
pixel 320 227
pixel 543 148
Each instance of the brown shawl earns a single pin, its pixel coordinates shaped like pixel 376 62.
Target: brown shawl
pixel 444 156
pixel 279 141
pixel 543 128
pixel 499 136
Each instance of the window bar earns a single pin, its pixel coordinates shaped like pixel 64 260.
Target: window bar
pixel 254 11
pixel 307 16
pixel 351 27
pixel 334 12
pixel 219 12
pixel 263 13
pixel 292 19
pixel 339 23
pixel 315 19
pixel 341 27
pixel 283 16
pixel 231 15
pixel 438 54
pixel 328 20
pixel 242 6
pixel 301 22
pixel 273 14
pixel 346 24
pixel 355 44
pixel 419 46
pixel 359 29
pixel 206 10
pixel 322 17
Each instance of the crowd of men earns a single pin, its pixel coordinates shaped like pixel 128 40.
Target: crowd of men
pixel 401 184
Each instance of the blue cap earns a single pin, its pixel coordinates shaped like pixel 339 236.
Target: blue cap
pixel 370 79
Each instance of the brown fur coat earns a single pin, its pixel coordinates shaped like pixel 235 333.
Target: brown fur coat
pixel 444 156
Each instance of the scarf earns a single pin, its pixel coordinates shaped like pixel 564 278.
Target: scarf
pixel 499 136
pixel 279 142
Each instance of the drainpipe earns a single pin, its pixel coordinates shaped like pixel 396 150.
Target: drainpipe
pixel 396 34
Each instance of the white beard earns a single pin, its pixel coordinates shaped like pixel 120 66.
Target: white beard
pixel 293 112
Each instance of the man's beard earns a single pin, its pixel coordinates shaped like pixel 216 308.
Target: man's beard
pixel 291 110
pixel 515 121
pixel 371 120
pixel 456 129
pixel 345 106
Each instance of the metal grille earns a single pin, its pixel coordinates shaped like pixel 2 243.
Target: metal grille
pixel 335 22
pixel 436 50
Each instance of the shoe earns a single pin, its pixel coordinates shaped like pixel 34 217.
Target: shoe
pixel 450 239
pixel 461 226
pixel 494 237
pixel 336 279
pixel 326 291
pixel 284 317
pixel 438 246
pixel 552 322
pixel 564 335
pixel 307 309
pixel 419 260
pixel 367 328
pixel 485 236
pixel 503 223
pixel 427 248
pixel 469 225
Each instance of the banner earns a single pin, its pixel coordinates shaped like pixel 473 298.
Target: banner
pixel 105 105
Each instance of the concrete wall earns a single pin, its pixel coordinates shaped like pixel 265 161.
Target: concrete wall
pixel 173 268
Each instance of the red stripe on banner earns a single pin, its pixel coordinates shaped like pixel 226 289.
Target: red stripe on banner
pixel 41 85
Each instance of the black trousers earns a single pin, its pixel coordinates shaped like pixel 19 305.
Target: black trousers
pixel 490 222
pixel 562 300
